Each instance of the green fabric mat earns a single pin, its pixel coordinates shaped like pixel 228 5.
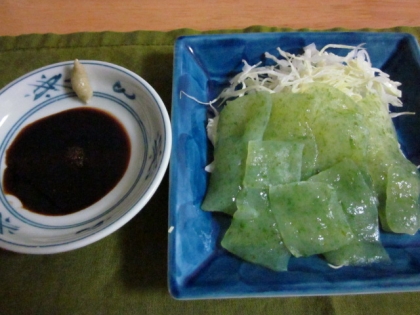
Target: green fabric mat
pixel 126 273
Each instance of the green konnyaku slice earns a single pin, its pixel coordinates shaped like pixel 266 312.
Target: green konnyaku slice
pixel 242 120
pixel 253 234
pixel 360 207
pixel 337 126
pixel 398 195
pixel 402 199
pixel 272 163
pixel 309 217
pixel 383 149
pixel 289 119
pixel 357 198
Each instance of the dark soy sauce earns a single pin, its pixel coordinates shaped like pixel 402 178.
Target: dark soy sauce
pixel 67 161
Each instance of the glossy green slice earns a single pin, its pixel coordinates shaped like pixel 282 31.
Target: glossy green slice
pixel 253 234
pixel 357 198
pixel 402 202
pixel 337 126
pixel 242 120
pixel 272 163
pixel 309 217
pixel 398 195
pixel 383 150
pixel 360 207
pixel 289 119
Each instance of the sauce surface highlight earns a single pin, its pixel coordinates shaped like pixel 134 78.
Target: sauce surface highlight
pixel 66 162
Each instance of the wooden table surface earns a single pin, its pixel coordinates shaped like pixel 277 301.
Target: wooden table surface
pixel 47 16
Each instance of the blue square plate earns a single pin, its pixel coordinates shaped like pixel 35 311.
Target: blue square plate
pixel 198 266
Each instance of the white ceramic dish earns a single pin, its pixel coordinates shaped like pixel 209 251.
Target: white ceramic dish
pixel 127 97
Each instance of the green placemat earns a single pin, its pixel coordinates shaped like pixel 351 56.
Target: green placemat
pixel 126 272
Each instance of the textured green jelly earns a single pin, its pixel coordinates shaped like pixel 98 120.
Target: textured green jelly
pixel 253 234
pixel 383 150
pixel 337 126
pixel 394 178
pixel 360 207
pixel 272 163
pixel 242 120
pixel 402 199
pixel 309 217
pixel 289 119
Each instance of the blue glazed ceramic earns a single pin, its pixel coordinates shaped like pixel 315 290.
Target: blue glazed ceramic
pixel 198 266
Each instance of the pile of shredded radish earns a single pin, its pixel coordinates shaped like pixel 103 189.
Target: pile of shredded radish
pixel 353 74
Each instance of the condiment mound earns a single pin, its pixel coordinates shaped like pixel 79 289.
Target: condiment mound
pixel 73 173
pixel 65 162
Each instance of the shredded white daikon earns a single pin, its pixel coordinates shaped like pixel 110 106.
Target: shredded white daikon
pixel 335 267
pixel 212 128
pixel 353 74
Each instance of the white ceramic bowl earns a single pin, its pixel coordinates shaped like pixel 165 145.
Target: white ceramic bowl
pixel 127 97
